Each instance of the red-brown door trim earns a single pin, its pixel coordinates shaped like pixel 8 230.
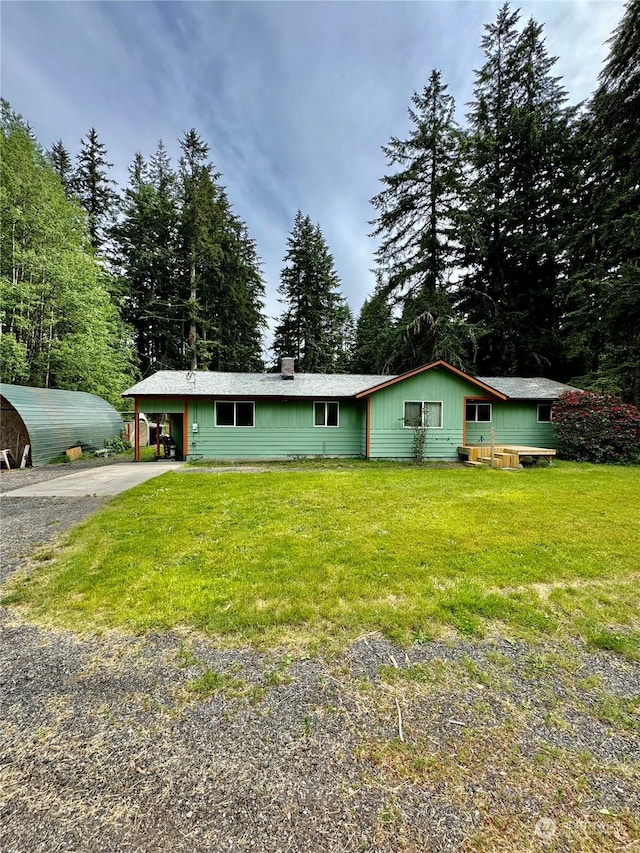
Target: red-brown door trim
pixel 185 429
pixel 368 429
pixel 136 434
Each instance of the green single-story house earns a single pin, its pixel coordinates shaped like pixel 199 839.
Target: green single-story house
pixel 287 414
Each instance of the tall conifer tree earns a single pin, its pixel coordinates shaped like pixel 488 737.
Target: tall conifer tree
pixel 94 188
pixel 316 326
pixel 519 150
pixel 193 282
pixel 145 240
pixel 199 222
pixel 220 269
pixel 604 320
pixel 61 162
pixel 417 210
pixel 240 311
pixel 374 335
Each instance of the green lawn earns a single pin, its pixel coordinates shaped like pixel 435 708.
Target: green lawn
pixel 305 555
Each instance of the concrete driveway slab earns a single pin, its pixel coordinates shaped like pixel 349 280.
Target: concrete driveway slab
pixel 106 480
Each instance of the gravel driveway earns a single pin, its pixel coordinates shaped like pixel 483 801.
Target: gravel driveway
pixel 164 742
pixel 28 522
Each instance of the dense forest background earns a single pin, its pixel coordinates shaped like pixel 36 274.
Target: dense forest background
pixel 508 244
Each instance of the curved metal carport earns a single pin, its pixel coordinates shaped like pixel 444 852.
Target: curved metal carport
pixel 51 421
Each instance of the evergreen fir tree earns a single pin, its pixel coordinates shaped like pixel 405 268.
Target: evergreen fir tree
pixel 62 164
pixel 94 188
pixel 417 210
pixel 219 269
pixel 145 239
pixel 604 320
pixel 429 328
pixel 199 230
pixel 193 281
pixel 316 325
pixel 519 150
pixel 374 335
pixel 234 300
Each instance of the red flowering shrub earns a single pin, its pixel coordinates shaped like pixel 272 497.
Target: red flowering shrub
pixel 596 428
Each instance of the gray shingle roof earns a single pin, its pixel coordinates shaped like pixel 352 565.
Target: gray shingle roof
pixel 535 388
pixel 211 384
pixel 311 385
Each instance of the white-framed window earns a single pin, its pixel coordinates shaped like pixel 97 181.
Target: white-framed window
pixel 544 413
pixel 232 413
pixel 423 413
pixel 478 412
pixel 326 414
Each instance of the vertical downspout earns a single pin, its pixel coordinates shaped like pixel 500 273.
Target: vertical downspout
pixel 185 429
pixel 157 436
pixel 136 426
pixel 368 429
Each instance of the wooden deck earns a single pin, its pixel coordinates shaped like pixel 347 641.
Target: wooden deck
pixel 503 455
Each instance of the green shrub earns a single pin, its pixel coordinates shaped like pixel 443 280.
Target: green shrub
pixel 596 427
pixel 117 444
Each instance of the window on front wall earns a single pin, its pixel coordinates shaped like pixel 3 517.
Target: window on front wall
pixel 325 414
pixel 234 414
pixel 544 413
pixel 423 413
pixel 478 412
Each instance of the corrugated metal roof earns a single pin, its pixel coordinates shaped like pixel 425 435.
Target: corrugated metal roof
pixel 534 388
pixel 56 420
pixel 212 384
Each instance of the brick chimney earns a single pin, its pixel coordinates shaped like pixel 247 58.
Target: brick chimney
pixel 287 367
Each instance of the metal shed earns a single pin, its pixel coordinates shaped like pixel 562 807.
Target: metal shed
pixel 52 421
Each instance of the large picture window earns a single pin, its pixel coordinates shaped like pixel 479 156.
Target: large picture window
pixel 234 414
pixel 479 412
pixel 423 413
pixel 325 414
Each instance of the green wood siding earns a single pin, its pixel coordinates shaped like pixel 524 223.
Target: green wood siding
pixel 515 422
pixel 282 429
pixel 390 439
pixel 161 405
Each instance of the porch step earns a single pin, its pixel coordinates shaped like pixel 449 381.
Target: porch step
pixel 469 464
pixel 499 460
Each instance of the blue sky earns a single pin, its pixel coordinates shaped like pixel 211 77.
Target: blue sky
pixel 294 98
